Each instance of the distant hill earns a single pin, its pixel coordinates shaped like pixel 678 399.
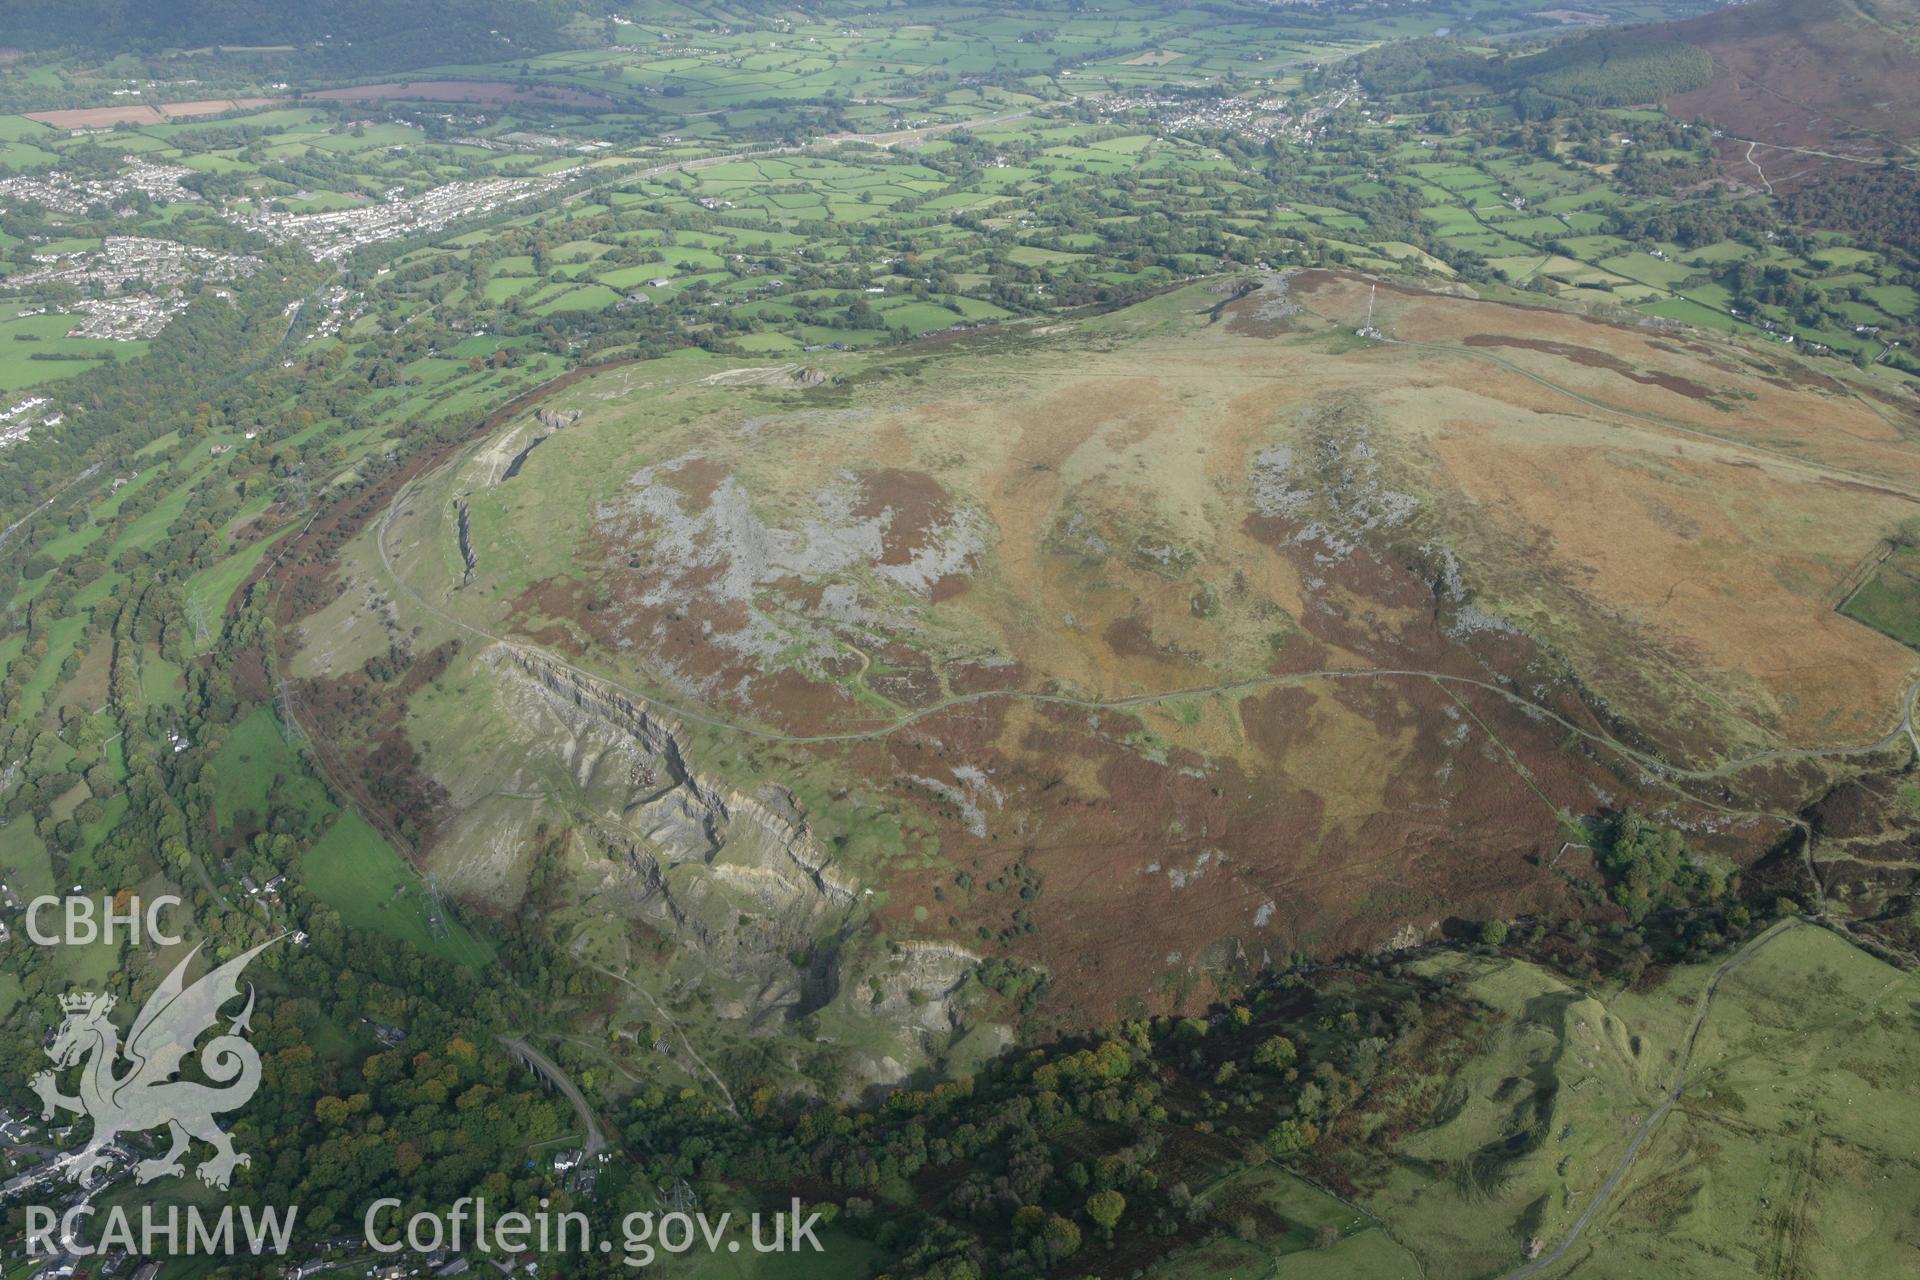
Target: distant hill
pixel 1601 69
pixel 1792 77
pixel 1828 75
pixel 347 35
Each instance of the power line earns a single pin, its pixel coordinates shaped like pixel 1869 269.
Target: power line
pixel 197 614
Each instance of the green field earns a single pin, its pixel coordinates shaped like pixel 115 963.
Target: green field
pixel 1889 601
pixel 256 762
pixel 45 336
pixel 356 872
pixel 1795 1127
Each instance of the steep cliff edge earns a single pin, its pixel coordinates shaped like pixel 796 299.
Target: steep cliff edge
pixel 764 924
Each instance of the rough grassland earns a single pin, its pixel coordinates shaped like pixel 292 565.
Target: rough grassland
pixel 1790 1153
pixel 1553 454
pixel 1230 627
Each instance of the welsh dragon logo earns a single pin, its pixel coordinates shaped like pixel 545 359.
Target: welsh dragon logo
pixel 147 1095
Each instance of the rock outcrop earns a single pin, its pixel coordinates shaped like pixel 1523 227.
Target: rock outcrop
pixel 739 879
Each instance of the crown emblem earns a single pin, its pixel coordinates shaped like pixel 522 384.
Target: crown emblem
pixel 146 1095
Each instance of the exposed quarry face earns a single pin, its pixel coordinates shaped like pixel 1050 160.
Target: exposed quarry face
pixel 737 881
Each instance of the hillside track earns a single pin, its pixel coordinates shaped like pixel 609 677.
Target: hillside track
pixel 1702 1006
pixel 1902 729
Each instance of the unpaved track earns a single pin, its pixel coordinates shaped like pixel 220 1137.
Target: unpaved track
pixel 685 1043
pixel 1652 1122
pixel 1870 161
pixel 1902 728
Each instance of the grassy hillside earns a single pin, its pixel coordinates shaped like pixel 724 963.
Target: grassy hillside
pixel 1009 618
pixel 1789 1151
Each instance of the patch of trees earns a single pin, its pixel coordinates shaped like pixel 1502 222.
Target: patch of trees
pixel 1881 206
pixel 1614 69
pixel 1649 866
pixel 1604 69
pixel 1695 224
pixel 1050 1158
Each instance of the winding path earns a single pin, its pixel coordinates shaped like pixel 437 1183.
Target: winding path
pixel 1652 1122
pixel 1870 161
pixel 1903 728
pixel 1757 169
pixel 685 1043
